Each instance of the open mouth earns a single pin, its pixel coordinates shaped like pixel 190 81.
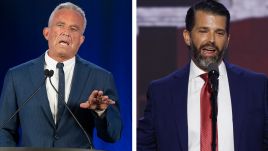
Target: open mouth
pixel 64 42
pixel 209 50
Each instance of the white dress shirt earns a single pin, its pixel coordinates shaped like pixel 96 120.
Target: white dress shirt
pixel 225 120
pixel 51 93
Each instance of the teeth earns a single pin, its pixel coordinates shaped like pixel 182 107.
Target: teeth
pixel 209 49
pixel 64 43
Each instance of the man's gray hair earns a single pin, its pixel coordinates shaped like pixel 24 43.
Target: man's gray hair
pixel 69 5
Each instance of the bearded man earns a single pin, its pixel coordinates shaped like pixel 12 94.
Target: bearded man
pixel 178 115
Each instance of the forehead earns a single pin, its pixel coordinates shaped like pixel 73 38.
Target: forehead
pixel 209 19
pixel 66 14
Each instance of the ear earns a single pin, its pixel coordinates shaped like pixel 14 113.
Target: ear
pixel 228 39
pixel 46 32
pixel 187 37
pixel 82 39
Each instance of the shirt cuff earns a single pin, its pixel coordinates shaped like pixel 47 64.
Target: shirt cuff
pixel 100 112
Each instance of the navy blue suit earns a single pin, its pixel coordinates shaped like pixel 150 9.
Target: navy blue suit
pixel 35 118
pixel 164 125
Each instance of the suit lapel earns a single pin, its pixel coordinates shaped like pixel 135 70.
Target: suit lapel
pixel 78 82
pixel 37 76
pixel 237 98
pixel 179 91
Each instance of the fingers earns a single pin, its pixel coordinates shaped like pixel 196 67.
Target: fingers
pixel 93 95
pixel 97 101
pixel 91 102
pixel 106 100
pixel 84 105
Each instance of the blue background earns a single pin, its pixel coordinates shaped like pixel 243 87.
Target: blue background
pixel 107 44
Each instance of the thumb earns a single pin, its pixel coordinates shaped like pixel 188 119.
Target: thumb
pixel 84 105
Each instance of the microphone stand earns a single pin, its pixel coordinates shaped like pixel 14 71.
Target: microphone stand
pixel 214 95
pixel 47 74
pixel 76 120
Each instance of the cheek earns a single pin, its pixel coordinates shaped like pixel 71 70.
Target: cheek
pixel 52 36
pixel 54 32
pixel 75 44
pixel 76 41
pixel 198 41
pixel 222 44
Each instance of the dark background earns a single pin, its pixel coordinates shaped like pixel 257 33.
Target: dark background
pixel 107 44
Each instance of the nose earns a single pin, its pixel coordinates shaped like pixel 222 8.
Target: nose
pixel 65 32
pixel 211 37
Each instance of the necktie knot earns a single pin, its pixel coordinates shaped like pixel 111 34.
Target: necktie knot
pixel 60 65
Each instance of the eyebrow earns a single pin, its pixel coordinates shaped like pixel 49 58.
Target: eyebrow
pixel 75 26
pixel 206 28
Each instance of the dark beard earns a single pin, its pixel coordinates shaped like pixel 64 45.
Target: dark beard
pixel 203 62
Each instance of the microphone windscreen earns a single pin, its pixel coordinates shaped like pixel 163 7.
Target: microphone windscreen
pixel 46 72
pixel 51 72
pixel 213 67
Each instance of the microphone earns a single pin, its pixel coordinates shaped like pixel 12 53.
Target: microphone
pixel 213 75
pixel 51 72
pixel 47 74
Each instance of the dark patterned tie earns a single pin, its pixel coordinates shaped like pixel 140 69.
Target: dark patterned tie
pixel 61 90
pixel 206 116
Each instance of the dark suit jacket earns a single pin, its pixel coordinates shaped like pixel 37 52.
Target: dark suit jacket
pixel 164 125
pixel 35 119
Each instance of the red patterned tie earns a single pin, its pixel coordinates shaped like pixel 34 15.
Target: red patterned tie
pixel 206 117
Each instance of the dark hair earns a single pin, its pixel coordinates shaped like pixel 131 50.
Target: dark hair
pixel 210 6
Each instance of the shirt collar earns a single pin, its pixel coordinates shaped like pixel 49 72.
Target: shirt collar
pixel 196 71
pixel 51 63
